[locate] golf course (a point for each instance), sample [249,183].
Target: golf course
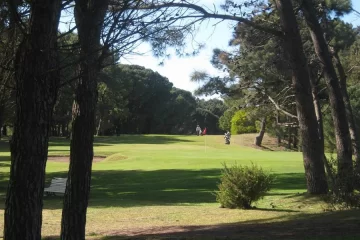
[162,187]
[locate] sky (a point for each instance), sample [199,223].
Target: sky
[178,70]
[213,33]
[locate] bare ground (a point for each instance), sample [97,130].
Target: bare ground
[333,225]
[67,158]
[269,143]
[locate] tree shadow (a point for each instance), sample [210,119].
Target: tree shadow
[5,162]
[123,139]
[289,181]
[128,188]
[146,188]
[160,187]
[262,148]
[141,139]
[64,142]
[326,226]
[338,225]
[275,210]
[4,145]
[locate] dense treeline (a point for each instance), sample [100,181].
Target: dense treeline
[136,100]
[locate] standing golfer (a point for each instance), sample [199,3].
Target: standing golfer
[198,130]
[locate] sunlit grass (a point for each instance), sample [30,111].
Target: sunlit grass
[157,181]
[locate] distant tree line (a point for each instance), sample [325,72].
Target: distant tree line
[136,100]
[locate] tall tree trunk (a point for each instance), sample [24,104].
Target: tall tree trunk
[2,110]
[317,106]
[349,113]
[89,16]
[98,127]
[278,136]
[319,118]
[259,138]
[289,137]
[311,146]
[36,78]
[4,130]
[63,130]
[337,106]
[318,114]
[295,139]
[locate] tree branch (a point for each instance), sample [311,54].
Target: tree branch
[205,110]
[352,68]
[280,109]
[207,14]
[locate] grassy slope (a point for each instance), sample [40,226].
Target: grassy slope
[167,181]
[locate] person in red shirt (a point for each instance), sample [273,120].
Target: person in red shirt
[204,132]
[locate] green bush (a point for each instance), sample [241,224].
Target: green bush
[242,185]
[338,198]
[240,123]
[225,120]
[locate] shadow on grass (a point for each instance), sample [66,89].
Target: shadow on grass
[160,187]
[334,225]
[275,210]
[4,145]
[262,148]
[123,139]
[289,181]
[338,225]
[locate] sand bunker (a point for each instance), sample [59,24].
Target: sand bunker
[67,158]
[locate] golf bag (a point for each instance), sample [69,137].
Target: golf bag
[227,138]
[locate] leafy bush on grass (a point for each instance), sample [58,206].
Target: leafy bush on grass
[336,202]
[240,123]
[242,185]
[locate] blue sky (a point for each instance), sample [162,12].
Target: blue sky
[178,70]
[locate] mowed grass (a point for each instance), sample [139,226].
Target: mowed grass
[162,186]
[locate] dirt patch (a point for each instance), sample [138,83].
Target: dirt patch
[117,158]
[293,229]
[67,158]
[269,143]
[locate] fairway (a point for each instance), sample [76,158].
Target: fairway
[164,184]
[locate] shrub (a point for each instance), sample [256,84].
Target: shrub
[242,185]
[341,201]
[241,124]
[225,120]
[338,198]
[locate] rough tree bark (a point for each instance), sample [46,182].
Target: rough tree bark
[4,130]
[319,118]
[98,127]
[295,139]
[311,146]
[349,113]
[63,130]
[2,110]
[9,45]
[259,138]
[337,106]
[290,131]
[36,79]
[89,16]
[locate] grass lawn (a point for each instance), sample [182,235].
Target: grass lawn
[161,187]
